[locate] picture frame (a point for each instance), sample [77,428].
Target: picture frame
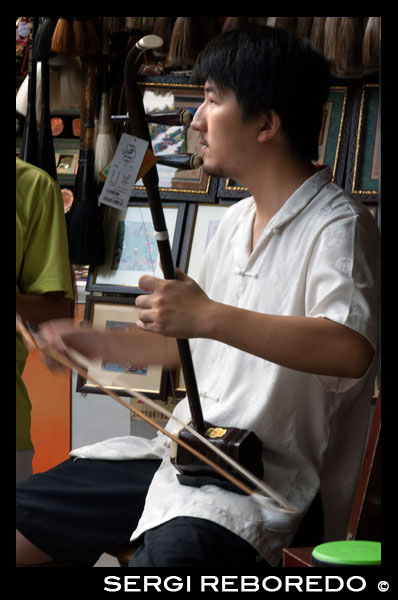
[107,312]
[230,188]
[131,249]
[364,153]
[176,184]
[201,224]
[335,130]
[332,143]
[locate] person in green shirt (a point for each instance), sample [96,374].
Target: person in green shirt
[43,280]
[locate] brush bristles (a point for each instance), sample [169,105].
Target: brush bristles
[304,26]
[140,23]
[317,37]
[185,42]
[43,39]
[85,235]
[62,40]
[349,45]
[330,41]
[287,23]
[93,45]
[79,38]
[371,43]
[163,28]
[235,23]
[114,23]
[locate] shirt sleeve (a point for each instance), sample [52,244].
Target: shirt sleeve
[343,282]
[46,265]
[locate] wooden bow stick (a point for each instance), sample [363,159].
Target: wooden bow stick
[73,360]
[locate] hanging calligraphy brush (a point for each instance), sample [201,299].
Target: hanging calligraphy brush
[244,446]
[85,234]
[29,147]
[42,52]
[105,143]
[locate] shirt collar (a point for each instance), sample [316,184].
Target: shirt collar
[241,239]
[300,198]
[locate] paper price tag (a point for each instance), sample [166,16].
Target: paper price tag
[123,171]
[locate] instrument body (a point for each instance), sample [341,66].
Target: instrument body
[241,445]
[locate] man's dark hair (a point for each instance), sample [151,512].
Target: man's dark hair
[271,69]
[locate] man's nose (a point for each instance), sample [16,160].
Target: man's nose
[198,122]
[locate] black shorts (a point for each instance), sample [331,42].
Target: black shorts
[82,508]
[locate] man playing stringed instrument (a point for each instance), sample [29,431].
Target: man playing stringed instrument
[283,323]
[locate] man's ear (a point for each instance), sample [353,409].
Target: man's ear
[270,126]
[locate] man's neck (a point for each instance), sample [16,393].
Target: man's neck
[273,185]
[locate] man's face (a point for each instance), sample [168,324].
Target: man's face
[226,141]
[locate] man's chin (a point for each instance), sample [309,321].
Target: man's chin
[214,170]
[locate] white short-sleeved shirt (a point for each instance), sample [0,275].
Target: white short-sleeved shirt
[317,257]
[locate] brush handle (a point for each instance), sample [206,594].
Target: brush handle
[89,74]
[46,144]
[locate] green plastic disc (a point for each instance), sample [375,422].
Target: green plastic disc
[348,552]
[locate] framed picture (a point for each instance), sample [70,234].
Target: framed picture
[335,130]
[191,184]
[131,248]
[230,188]
[364,156]
[106,313]
[66,159]
[201,225]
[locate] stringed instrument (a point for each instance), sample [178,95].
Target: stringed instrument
[240,444]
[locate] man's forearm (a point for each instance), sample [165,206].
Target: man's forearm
[37,308]
[313,345]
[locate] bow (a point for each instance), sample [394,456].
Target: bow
[74,361]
